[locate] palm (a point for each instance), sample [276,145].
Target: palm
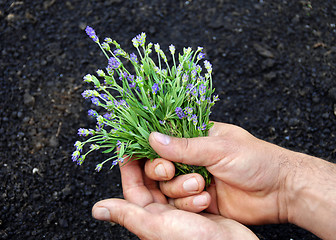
[178,224]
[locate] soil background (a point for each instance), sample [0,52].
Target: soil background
[274,70]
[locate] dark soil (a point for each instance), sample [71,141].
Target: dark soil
[274,70]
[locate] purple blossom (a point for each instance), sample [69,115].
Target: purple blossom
[193,118]
[99,167]
[118,52]
[193,74]
[92,113]
[94,146]
[155,88]
[203,127]
[75,155]
[121,102]
[105,96]
[191,89]
[134,58]
[118,143]
[179,112]
[172,49]
[202,89]
[85,132]
[208,66]
[87,93]
[108,116]
[115,162]
[185,77]
[113,63]
[188,111]
[80,160]
[200,56]
[79,146]
[123,75]
[139,40]
[95,101]
[91,33]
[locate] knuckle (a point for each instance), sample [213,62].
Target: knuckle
[185,146]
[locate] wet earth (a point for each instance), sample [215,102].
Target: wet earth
[274,70]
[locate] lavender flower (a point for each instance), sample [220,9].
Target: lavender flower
[87,94]
[75,155]
[203,127]
[100,73]
[99,167]
[179,112]
[172,49]
[108,116]
[202,89]
[92,113]
[88,78]
[108,40]
[85,132]
[113,63]
[208,66]
[200,56]
[95,101]
[79,146]
[139,40]
[92,34]
[155,88]
[94,146]
[133,58]
[105,46]
[118,52]
[188,111]
[80,160]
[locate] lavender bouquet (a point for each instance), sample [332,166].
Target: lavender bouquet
[152,96]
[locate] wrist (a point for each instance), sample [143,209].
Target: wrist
[311,194]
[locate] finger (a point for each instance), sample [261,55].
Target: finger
[183,186]
[133,184]
[134,218]
[196,203]
[159,169]
[200,151]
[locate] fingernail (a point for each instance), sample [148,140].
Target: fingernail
[160,171]
[101,213]
[200,200]
[191,185]
[161,138]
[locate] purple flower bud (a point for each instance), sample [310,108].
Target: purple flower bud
[92,113]
[155,88]
[118,52]
[200,56]
[95,101]
[113,63]
[179,112]
[75,155]
[202,89]
[99,167]
[91,33]
[133,58]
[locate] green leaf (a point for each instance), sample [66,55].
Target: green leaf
[95,81]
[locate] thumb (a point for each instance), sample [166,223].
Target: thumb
[136,219]
[200,151]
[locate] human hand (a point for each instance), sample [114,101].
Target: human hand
[146,213]
[249,175]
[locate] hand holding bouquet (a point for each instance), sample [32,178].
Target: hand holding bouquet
[174,99]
